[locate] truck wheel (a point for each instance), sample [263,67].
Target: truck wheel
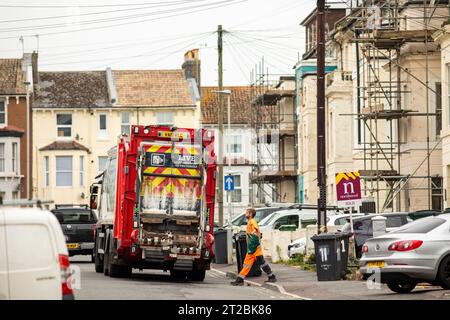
[118,271]
[197,275]
[106,258]
[178,275]
[115,271]
[106,266]
[443,275]
[401,287]
[98,263]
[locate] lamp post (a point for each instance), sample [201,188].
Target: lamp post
[228,94]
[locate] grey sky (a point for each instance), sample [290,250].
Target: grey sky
[257,28]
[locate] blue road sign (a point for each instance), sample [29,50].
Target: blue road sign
[229,183]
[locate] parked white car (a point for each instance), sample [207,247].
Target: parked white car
[239,223]
[299,246]
[34,262]
[298,217]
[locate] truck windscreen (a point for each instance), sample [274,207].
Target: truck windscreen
[172,179]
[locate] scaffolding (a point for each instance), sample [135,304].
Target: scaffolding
[381,30]
[274,126]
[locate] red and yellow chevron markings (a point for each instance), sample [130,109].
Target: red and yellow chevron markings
[185,172]
[346,176]
[173,171]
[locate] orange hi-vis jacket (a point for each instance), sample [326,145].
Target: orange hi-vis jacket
[252,228]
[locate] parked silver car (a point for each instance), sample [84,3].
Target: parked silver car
[416,252]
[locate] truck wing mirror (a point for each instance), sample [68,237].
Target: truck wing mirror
[93,202]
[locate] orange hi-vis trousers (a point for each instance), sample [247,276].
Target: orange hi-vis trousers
[250,259]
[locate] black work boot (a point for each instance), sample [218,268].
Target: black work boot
[238,282]
[272,278]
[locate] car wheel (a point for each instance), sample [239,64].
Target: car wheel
[401,287]
[444,273]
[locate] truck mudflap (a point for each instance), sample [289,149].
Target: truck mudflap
[184,264]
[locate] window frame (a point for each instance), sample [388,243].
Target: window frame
[125,124]
[46,171]
[164,123]
[98,160]
[448,94]
[102,134]
[230,143]
[2,125]
[64,171]
[236,188]
[15,158]
[81,171]
[438,108]
[64,126]
[3,157]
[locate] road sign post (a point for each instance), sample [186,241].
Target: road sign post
[348,194]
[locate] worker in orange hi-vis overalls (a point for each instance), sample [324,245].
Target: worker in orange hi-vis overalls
[254,251]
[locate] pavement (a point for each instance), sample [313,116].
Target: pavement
[300,284]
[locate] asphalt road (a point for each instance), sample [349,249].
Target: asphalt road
[154,284]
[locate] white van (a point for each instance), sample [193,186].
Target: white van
[34,261]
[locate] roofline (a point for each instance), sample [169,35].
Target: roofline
[13,94]
[312,13]
[232,86]
[115,107]
[104,70]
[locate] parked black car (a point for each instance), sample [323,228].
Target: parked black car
[77,223]
[362,227]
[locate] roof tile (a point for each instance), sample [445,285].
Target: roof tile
[153,88]
[12,77]
[71,89]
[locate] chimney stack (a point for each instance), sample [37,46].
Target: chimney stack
[34,65]
[191,66]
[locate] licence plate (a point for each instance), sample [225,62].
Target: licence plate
[375,264]
[72,245]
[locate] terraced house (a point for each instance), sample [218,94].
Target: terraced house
[16,84]
[78,117]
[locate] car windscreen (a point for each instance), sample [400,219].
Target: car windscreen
[74,216]
[262,213]
[268,219]
[424,225]
[356,222]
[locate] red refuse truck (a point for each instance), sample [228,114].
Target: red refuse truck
[155,203]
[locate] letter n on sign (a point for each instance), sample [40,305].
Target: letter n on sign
[348,189]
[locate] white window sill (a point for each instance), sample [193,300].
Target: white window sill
[65,138]
[102,136]
[64,187]
[10,175]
